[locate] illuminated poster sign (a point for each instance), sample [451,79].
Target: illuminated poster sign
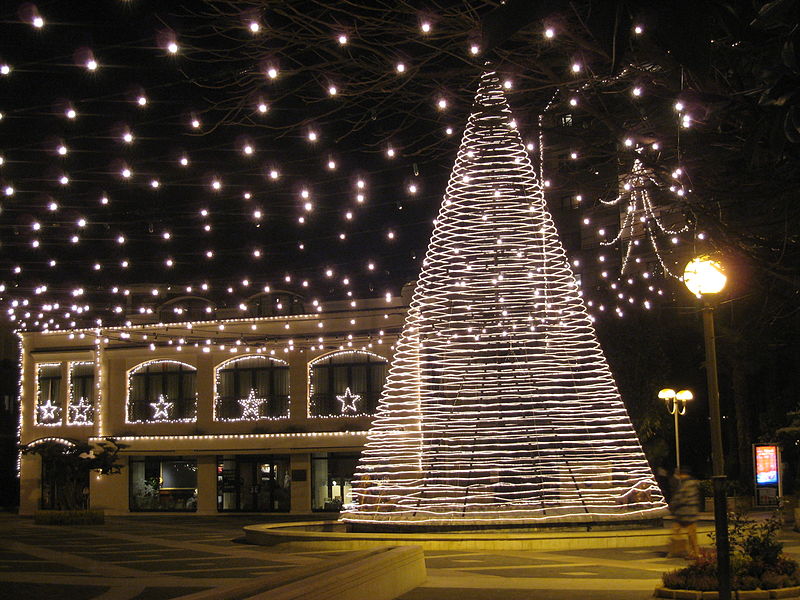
[766,465]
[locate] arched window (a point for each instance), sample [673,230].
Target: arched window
[275,304]
[162,390]
[252,388]
[188,308]
[346,383]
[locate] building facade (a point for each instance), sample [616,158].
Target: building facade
[245,414]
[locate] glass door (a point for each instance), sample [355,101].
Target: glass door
[251,483]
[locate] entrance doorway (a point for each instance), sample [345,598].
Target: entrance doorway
[251,483]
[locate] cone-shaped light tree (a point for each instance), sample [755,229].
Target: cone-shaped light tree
[499,406]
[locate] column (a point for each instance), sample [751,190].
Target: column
[205,390]
[298,386]
[300,467]
[30,484]
[206,484]
[110,492]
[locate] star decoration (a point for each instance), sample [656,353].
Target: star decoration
[251,406]
[79,413]
[348,401]
[161,409]
[48,411]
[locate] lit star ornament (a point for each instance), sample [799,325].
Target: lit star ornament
[348,401]
[251,406]
[79,412]
[161,409]
[48,411]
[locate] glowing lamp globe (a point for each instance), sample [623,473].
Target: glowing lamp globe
[704,275]
[684,395]
[666,394]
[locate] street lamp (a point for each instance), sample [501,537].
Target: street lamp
[705,277]
[676,405]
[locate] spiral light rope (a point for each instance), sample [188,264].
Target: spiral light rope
[499,406]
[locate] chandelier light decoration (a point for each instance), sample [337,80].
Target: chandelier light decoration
[642,218]
[499,408]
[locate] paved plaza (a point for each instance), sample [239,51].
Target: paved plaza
[155,558]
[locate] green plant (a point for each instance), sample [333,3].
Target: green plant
[756,562]
[745,582]
[756,540]
[70,465]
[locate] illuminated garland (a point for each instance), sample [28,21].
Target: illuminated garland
[20,396]
[499,407]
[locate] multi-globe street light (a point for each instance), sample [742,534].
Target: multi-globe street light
[676,405]
[705,277]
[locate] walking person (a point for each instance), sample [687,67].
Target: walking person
[684,505]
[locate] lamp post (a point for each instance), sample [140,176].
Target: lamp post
[676,405]
[705,277]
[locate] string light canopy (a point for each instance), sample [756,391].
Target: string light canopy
[499,407]
[158,158]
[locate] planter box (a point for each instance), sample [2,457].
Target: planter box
[94,516]
[792,592]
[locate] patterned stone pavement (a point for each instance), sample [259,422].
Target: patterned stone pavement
[141,558]
[158,558]
[613,574]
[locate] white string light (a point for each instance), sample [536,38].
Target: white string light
[499,406]
[641,216]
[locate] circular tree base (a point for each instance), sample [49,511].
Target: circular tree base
[334,535]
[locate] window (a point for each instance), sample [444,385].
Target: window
[569,202]
[346,383]
[332,480]
[253,483]
[81,394]
[566,120]
[252,388]
[48,397]
[162,391]
[276,304]
[163,483]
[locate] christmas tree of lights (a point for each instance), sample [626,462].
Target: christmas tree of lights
[499,407]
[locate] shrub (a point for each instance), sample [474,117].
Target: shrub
[746,582]
[771,580]
[785,566]
[756,540]
[702,582]
[757,560]
[69,517]
[674,579]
